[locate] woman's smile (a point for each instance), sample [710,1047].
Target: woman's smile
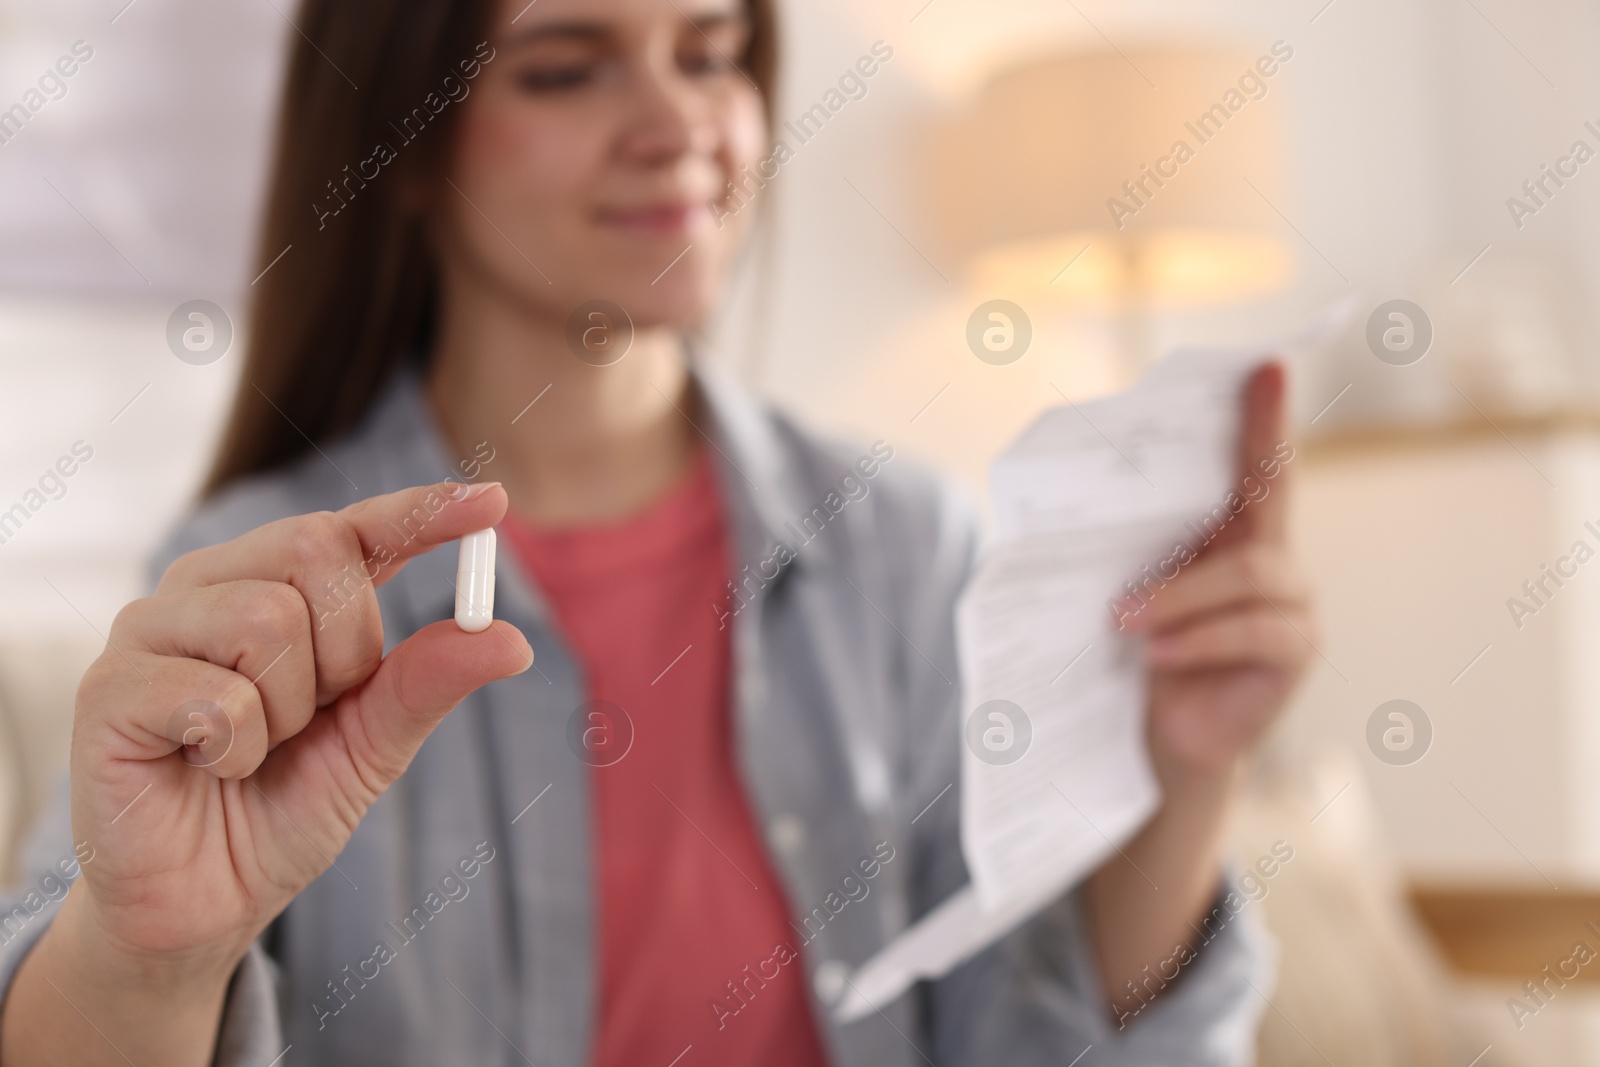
[661,218]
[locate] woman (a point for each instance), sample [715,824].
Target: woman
[670,841]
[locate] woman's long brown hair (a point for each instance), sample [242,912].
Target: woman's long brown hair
[346,299]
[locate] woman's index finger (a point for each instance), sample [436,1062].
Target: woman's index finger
[396,527]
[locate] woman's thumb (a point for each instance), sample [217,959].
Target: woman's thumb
[419,683]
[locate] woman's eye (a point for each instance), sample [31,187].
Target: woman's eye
[544,79]
[709,62]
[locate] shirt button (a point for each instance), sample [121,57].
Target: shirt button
[830,979]
[788,834]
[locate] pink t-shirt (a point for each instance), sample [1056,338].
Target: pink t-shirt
[697,957]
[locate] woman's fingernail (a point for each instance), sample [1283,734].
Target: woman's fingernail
[477,489]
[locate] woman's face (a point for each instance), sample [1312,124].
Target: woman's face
[595,149]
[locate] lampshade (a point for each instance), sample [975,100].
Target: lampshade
[1155,173]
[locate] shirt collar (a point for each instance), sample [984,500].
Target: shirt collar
[762,486]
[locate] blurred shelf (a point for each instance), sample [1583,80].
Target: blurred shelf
[1445,434]
[1509,931]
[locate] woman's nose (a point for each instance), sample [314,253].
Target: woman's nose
[668,118]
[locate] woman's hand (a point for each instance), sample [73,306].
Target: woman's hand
[1230,636]
[226,744]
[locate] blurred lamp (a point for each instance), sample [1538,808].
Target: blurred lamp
[1133,182]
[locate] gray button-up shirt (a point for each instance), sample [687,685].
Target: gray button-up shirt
[846,709]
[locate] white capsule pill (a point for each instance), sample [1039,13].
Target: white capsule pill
[475,582]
